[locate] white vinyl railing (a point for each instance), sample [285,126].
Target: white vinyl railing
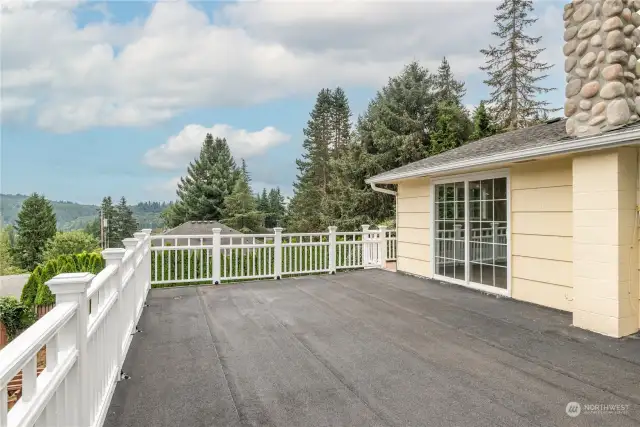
[392,245]
[86,337]
[216,258]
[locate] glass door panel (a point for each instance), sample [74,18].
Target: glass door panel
[449,230]
[488,232]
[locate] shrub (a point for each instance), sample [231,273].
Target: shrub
[30,289]
[70,243]
[15,316]
[36,292]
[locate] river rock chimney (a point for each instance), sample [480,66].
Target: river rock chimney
[602,50]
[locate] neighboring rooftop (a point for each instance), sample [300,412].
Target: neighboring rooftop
[190,228]
[521,144]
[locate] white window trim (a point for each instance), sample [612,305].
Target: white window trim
[497,173]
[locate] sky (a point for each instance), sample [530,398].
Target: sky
[114,98]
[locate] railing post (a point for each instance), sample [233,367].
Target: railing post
[215,255]
[382,246]
[332,249]
[130,244]
[277,253]
[366,249]
[114,256]
[147,258]
[72,287]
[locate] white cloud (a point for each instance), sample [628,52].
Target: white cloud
[146,71]
[183,147]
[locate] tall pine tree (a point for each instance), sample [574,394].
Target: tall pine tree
[36,224]
[276,208]
[240,210]
[448,89]
[125,223]
[513,67]
[210,179]
[110,230]
[312,181]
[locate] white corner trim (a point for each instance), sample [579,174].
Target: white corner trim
[598,142]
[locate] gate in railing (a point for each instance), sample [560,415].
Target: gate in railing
[86,337]
[216,258]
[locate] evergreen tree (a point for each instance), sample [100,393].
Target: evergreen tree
[452,128]
[240,210]
[245,171]
[340,116]
[35,225]
[210,178]
[513,67]
[448,89]
[263,202]
[482,123]
[276,208]
[312,181]
[125,223]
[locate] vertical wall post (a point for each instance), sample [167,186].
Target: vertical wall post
[113,256]
[277,254]
[72,287]
[332,249]
[215,255]
[366,245]
[382,246]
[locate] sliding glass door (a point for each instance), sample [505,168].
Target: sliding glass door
[471,232]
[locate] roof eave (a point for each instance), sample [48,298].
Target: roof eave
[597,142]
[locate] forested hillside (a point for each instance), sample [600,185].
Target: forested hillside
[75,216]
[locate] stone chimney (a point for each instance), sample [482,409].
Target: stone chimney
[602,50]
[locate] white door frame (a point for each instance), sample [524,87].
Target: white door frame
[498,173]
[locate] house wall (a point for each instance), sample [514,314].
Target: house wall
[541,232]
[413,225]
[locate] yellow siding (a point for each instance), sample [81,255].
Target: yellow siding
[604,220]
[414,219]
[541,232]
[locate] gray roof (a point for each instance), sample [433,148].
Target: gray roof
[199,227]
[551,133]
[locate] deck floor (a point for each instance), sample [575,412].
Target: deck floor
[366,348]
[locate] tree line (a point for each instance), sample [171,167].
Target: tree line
[34,239]
[417,114]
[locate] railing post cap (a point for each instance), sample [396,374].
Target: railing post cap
[140,235]
[110,254]
[216,230]
[147,230]
[70,283]
[333,228]
[130,242]
[365,226]
[382,227]
[278,229]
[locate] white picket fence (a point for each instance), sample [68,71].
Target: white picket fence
[86,335]
[216,258]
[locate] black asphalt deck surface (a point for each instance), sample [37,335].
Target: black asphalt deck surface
[366,348]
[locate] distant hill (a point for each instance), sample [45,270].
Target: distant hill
[74,216]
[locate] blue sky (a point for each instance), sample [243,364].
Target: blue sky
[112,98]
